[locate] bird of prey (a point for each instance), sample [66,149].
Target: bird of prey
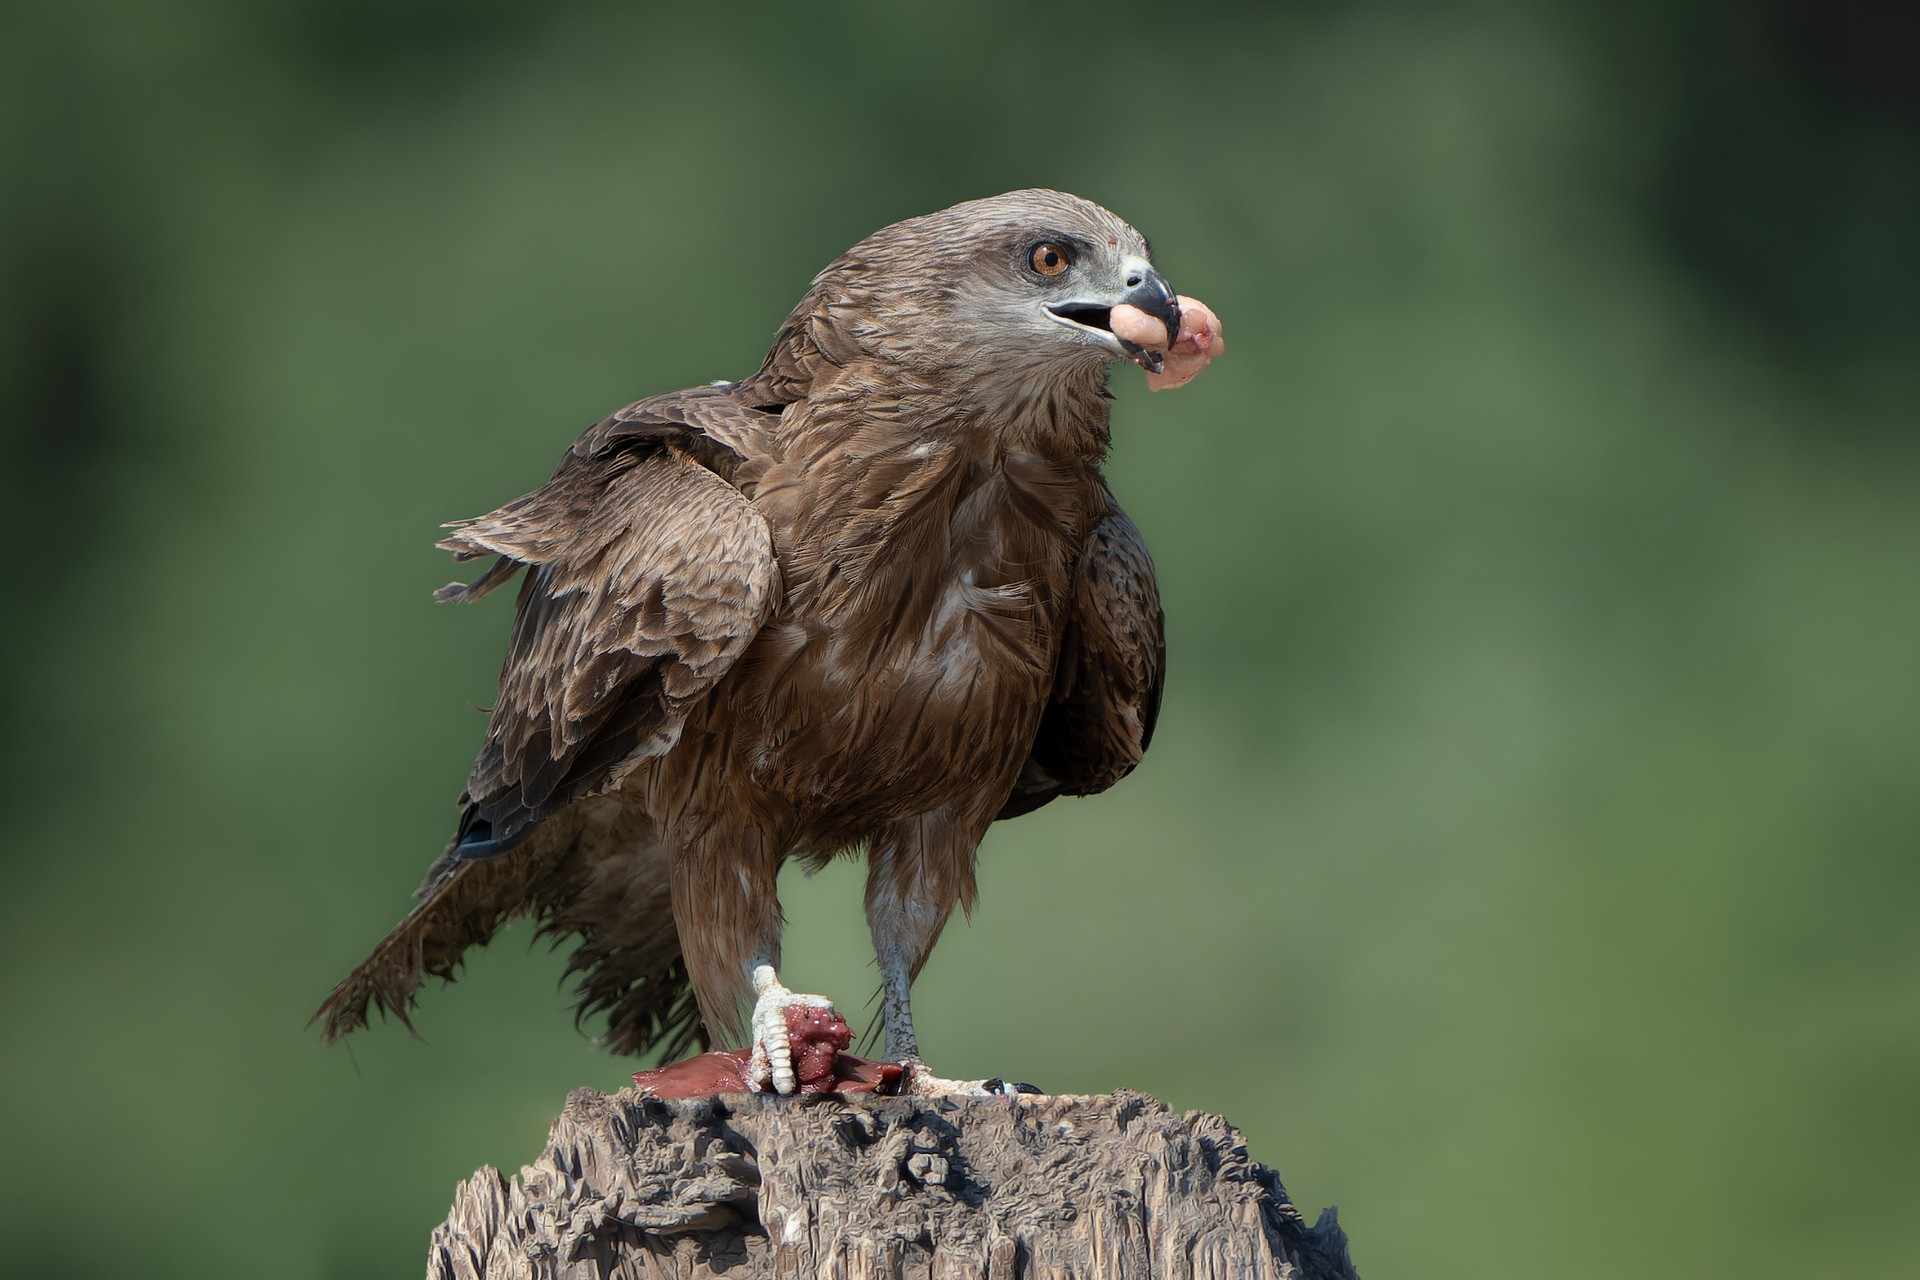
[876,596]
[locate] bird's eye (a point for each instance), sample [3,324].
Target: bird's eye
[1048,258]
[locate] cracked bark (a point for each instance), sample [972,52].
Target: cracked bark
[863,1188]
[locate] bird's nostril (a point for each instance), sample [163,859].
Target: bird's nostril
[1133,282]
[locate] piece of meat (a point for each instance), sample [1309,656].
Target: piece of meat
[1199,342]
[820,1063]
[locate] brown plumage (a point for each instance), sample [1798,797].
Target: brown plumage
[877,595]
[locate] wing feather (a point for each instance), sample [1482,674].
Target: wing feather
[649,574]
[1112,667]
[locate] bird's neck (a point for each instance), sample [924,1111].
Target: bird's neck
[1066,417]
[1043,409]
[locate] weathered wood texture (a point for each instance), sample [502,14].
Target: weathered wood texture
[1046,1188]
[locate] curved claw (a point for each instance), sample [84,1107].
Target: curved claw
[1010,1088]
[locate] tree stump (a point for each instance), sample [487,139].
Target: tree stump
[631,1187]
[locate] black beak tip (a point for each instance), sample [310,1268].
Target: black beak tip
[1156,297]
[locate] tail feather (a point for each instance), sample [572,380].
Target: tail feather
[462,904]
[590,872]
[621,907]
[387,981]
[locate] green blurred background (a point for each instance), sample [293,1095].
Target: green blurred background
[1527,860]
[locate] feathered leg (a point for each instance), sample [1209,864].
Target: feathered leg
[726,909]
[906,910]
[917,873]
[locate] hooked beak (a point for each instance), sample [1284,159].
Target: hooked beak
[1147,290]
[1156,297]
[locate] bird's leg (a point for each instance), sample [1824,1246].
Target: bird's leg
[772,1065]
[915,877]
[905,912]
[896,977]
[896,983]
[726,910]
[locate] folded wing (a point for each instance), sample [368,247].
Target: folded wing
[1112,666]
[648,574]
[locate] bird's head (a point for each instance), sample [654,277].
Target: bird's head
[1022,283]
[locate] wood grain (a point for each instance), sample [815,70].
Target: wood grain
[870,1188]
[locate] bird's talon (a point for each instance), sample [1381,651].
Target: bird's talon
[924,1083]
[771,1067]
[1000,1088]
